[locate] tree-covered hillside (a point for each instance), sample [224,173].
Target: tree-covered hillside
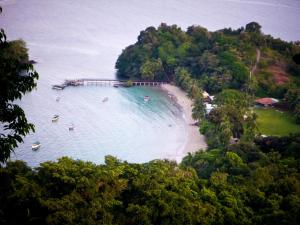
[235,64]
[218,60]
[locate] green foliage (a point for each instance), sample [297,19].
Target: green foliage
[247,183]
[292,99]
[151,70]
[253,27]
[17,76]
[234,98]
[216,60]
[128,83]
[274,122]
[244,184]
[238,70]
[76,192]
[232,118]
[198,111]
[198,50]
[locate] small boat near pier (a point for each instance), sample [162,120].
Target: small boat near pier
[146,98]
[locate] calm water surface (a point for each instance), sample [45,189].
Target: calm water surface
[75,39]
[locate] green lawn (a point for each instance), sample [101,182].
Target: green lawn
[273,122]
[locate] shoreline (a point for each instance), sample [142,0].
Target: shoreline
[194,140]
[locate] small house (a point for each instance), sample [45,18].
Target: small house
[206,97]
[266,101]
[205,94]
[209,107]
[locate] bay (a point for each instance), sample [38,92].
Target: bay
[82,39]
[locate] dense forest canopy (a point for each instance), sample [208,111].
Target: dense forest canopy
[247,183]
[219,60]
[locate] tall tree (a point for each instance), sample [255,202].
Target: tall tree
[17,76]
[151,69]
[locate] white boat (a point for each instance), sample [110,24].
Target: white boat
[55,118]
[105,99]
[71,127]
[57,99]
[146,98]
[36,145]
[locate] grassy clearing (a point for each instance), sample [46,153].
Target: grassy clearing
[274,122]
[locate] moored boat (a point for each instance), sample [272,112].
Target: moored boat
[55,118]
[36,145]
[105,99]
[116,85]
[57,99]
[71,126]
[58,87]
[146,98]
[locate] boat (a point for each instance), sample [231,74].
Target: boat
[116,85]
[36,145]
[146,98]
[57,99]
[58,87]
[105,99]
[55,118]
[71,127]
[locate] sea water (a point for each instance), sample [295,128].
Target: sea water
[82,39]
[124,125]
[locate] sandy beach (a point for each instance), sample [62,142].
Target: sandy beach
[195,141]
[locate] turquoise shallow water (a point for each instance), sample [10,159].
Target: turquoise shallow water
[82,39]
[124,126]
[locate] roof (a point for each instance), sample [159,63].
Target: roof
[209,107]
[266,101]
[205,94]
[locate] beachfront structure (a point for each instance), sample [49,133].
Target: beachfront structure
[266,101]
[208,100]
[208,107]
[207,97]
[205,94]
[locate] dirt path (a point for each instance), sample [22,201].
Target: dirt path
[257,61]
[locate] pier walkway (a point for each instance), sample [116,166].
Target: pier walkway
[106,82]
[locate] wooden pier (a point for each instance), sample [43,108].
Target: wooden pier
[107,82]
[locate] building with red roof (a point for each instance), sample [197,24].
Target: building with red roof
[266,101]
